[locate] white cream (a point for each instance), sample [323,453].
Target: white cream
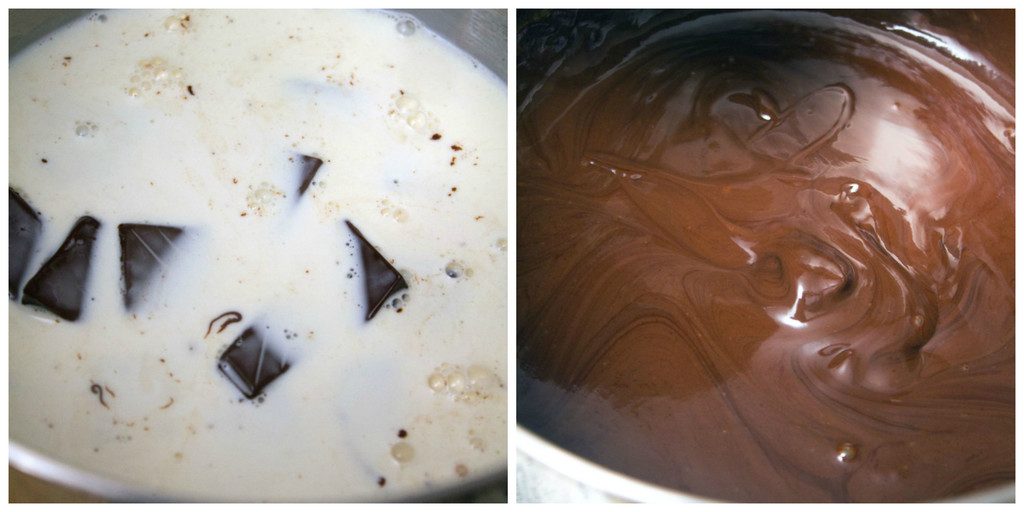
[126,142]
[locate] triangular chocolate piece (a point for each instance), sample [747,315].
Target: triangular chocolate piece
[250,363]
[24,227]
[380,277]
[308,167]
[144,248]
[59,286]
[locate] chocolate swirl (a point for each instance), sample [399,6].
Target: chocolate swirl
[767,256]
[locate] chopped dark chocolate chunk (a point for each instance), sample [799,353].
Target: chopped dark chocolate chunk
[143,250]
[59,286]
[380,277]
[250,363]
[310,165]
[24,227]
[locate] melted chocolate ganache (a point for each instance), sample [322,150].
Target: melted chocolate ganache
[767,256]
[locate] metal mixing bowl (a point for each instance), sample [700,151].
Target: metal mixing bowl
[481,33]
[546,472]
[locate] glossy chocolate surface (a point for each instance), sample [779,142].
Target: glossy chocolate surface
[768,256]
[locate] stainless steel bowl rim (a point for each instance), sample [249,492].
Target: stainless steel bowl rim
[482,33]
[619,486]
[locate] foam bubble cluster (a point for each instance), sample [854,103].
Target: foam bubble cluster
[155,76]
[264,199]
[470,385]
[408,112]
[394,211]
[86,129]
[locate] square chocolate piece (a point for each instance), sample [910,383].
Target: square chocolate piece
[144,249]
[250,363]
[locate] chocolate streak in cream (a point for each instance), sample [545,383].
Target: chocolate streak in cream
[767,256]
